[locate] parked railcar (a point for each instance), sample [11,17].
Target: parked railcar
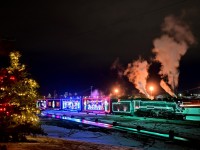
[71,103]
[68,103]
[97,104]
[191,108]
[123,106]
[41,104]
[54,104]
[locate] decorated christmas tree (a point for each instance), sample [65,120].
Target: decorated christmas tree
[18,95]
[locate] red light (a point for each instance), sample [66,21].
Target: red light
[12,78]
[2,109]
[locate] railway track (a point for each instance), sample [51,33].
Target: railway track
[168,137]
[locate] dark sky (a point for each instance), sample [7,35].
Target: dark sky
[71,45]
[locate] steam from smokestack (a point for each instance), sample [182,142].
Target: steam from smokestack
[137,73]
[166,88]
[169,49]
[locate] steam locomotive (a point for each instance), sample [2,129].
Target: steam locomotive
[149,108]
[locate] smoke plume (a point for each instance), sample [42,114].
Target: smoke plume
[166,88]
[137,73]
[169,49]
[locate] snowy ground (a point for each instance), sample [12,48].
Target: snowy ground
[114,139]
[48,143]
[186,129]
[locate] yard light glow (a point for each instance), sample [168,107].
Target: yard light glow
[151,88]
[116,91]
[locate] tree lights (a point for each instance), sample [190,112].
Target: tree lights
[19,92]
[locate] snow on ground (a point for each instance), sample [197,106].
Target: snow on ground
[118,139]
[115,139]
[48,143]
[95,137]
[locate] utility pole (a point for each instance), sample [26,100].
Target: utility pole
[91,91]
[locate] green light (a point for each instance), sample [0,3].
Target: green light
[128,104]
[149,133]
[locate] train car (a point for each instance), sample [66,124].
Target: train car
[54,103]
[72,104]
[97,104]
[191,108]
[126,107]
[41,104]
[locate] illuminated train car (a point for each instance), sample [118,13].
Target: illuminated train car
[54,104]
[41,104]
[126,107]
[96,104]
[191,108]
[71,104]
[190,103]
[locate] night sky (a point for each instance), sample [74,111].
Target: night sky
[69,46]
